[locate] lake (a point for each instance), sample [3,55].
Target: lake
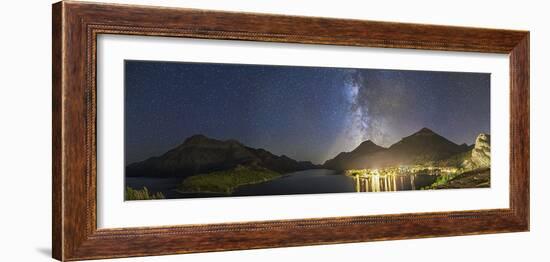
[312,181]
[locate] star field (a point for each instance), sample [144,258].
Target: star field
[306,113]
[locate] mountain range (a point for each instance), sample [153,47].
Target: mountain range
[423,146]
[199,154]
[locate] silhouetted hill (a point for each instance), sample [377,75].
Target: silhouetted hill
[423,146]
[355,158]
[200,154]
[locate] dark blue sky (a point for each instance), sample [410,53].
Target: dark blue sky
[306,113]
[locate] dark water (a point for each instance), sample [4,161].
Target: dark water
[303,182]
[313,181]
[329,181]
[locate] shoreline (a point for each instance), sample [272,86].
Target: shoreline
[252,183]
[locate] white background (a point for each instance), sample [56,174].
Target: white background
[25,147]
[114,212]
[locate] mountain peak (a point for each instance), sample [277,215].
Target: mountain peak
[425,130]
[367,147]
[346,159]
[195,139]
[367,143]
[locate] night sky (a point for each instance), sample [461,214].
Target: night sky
[306,113]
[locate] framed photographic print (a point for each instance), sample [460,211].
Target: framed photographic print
[182,130]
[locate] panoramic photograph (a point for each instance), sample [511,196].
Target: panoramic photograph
[200,130]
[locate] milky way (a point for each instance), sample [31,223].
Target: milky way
[307,113]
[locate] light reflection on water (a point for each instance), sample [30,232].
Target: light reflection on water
[379,183]
[313,181]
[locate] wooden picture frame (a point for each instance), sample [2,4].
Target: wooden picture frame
[76,26]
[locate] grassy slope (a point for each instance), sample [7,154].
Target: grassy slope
[456,160]
[471,175]
[228,180]
[478,178]
[143,194]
